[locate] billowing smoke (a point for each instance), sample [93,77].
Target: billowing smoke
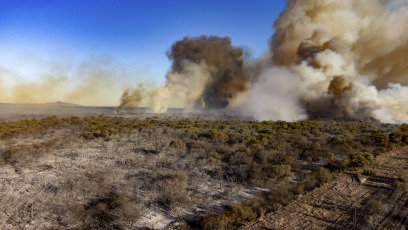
[348,57]
[326,58]
[207,72]
[132,97]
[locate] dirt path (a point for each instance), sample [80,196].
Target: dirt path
[344,203]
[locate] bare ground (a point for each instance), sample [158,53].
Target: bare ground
[348,203]
[69,182]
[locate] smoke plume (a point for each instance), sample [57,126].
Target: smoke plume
[348,57]
[132,97]
[326,58]
[207,71]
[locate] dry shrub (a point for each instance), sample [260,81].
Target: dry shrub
[109,212]
[21,156]
[177,144]
[402,182]
[279,196]
[234,214]
[197,144]
[173,190]
[213,158]
[323,175]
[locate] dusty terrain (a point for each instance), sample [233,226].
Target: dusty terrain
[348,203]
[109,169]
[63,178]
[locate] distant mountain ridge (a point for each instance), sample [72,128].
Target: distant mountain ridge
[61,103]
[48,104]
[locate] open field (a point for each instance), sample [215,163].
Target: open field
[127,170]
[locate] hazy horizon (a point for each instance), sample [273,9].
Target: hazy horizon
[56,50]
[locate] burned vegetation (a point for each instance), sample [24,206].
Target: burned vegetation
[126,173]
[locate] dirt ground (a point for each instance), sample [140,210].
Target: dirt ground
[348,203]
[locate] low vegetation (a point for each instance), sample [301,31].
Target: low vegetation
[125,172]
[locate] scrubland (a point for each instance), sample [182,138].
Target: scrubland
[149,171]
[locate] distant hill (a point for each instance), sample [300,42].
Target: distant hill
[62,104]
[49,104]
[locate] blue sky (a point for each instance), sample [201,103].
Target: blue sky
[134,33]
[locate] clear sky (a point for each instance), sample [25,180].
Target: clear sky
[134,33]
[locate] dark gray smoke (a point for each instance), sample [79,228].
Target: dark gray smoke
[223,62]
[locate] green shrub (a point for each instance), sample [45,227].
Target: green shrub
[368,172]
[216,134]
[380,139]
[363,160]
[233,214]
[281,172]
[330,157]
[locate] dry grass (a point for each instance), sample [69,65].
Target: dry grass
[117,173]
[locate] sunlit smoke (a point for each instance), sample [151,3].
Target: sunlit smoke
[346,54]
[132,97]
[326,58]
[92,82]
[207,73]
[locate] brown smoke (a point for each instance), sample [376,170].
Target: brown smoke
[348,58]
[132,97]
[326,58]
[227,77]
[92,82]
[207,72]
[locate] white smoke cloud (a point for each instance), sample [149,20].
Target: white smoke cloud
[282,103]
[182,89]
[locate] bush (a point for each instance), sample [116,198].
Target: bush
[281,172]
[217,135]
[379,138]
[323,175]
[368,172]
[234,213]
[403,176]
[102,212]
[177,144]
[402,182]
[173,190]
[363,160]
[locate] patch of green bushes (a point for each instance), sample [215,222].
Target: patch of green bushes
[233,214]
[363,160]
